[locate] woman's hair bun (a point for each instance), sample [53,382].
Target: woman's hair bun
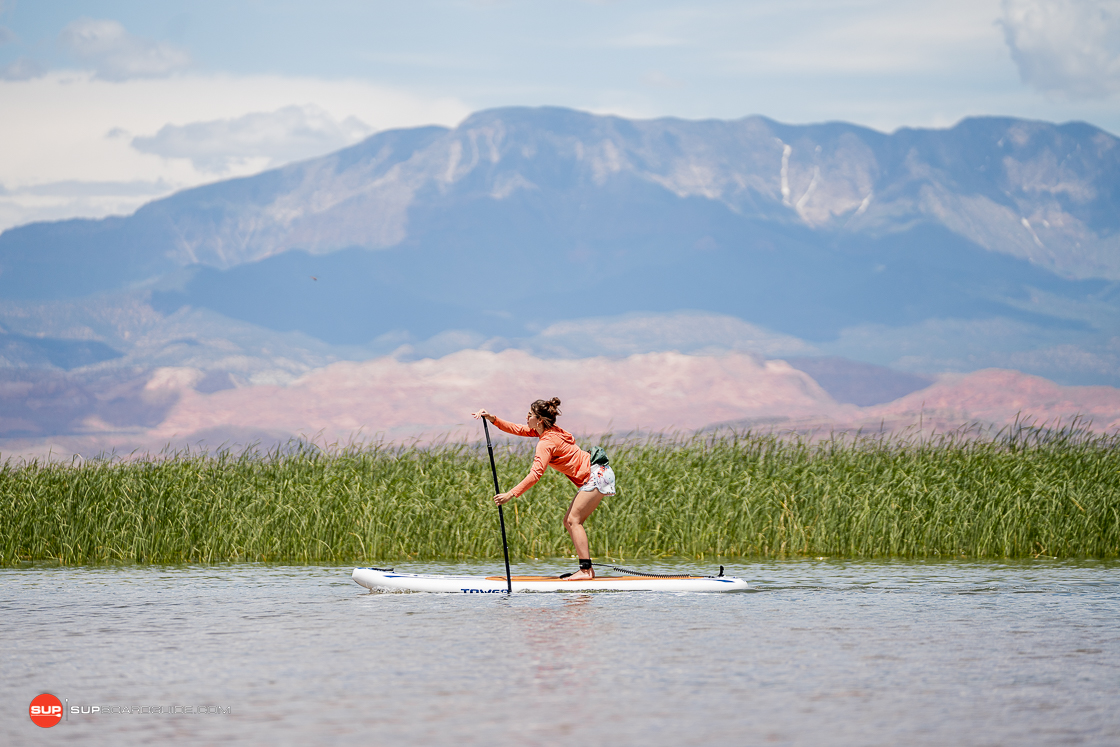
[547,411]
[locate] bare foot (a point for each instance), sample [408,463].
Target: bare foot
[582,575]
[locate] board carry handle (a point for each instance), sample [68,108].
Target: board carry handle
[501,515]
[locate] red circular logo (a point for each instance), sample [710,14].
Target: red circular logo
[45,710]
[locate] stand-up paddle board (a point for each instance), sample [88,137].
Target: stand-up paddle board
[382,579]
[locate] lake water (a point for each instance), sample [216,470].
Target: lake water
[819,653]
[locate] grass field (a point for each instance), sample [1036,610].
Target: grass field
[1023,492]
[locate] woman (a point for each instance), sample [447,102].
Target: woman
[557,448]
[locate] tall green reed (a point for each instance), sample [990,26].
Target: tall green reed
[1022,492]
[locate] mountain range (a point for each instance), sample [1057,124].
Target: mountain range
[872,262]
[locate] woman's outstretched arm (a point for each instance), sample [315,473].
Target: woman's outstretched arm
[511,428]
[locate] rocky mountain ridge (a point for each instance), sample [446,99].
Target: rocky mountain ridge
[1047,193]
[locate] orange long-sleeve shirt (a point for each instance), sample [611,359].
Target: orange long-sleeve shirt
[556,448]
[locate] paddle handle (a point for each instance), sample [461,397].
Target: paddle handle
[501,515]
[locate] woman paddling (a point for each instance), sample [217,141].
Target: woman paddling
[591,474]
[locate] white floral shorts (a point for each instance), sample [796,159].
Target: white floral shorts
[602,479]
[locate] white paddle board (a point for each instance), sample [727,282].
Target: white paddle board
[380,579]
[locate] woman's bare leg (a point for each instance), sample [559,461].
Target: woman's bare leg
[581,507]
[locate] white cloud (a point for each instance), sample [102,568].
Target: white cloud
[7,36]
[95,189]
[288,134]
[116,54]
[1067,47]
[45,142]
[23,68]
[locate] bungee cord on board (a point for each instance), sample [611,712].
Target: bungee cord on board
[650,574]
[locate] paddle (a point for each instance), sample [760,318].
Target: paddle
[501,516]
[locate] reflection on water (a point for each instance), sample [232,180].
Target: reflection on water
[556,642]
[823,652]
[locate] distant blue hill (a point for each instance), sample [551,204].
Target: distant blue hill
[478,283]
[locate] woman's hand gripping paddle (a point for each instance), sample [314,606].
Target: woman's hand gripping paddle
[501,516]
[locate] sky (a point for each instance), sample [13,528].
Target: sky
[108,104]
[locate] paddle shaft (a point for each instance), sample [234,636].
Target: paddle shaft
[501,516]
